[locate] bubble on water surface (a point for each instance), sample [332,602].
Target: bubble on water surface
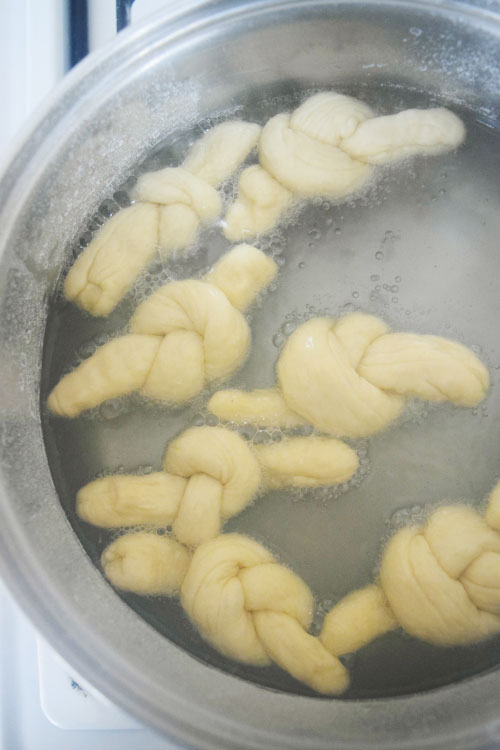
[288,327]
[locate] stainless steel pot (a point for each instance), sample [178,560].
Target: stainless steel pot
[203,57]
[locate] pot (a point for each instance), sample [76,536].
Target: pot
[147,89]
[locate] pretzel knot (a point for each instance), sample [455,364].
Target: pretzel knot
[442,581]
[170,205]
[187,334]
[256,611]
[350,376]
[220,482]
[328,147]
[211,474]
[191,323]
[178,343]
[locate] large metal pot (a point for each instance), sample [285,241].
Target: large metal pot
[201,58]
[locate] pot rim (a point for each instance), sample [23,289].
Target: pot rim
[39,598]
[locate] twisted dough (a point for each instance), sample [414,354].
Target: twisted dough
[326,148]
[440,582]
[349,377]
[170,204]
[187,334]
[211,474]
[241,600]
[244,603]
[146,564]
[254,610]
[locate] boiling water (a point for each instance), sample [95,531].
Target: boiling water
[419,248]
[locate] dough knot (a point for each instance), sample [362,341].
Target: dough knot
[439,581]
[186,334]
[442,581]
[350,377]
[211,474]
[201,337]
[327,148]
[170,204]
[255,610]
[303,151]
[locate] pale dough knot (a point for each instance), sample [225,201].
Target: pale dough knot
[349,377]
[440,582]
[201,337]
[186,335]
[302,152]
[170,206]
[242,601]
[326,148]
[211,474]
[256,611]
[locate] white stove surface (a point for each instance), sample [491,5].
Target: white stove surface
[44,703]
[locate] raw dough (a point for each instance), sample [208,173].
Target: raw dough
[349,377]
[254,610]
[211,474]
[327,148]
[241,600]
[242,274]
[307,165]
[264,407]
[440,582]
[224,476]
[170,205]
[146,563]
[184,336]
[414,131]
[108,266]
[306,462]
[260,203]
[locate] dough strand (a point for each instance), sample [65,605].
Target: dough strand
[184,336]
[264,407]
[327,148]
[170,205]
[350,377]
[146,564]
